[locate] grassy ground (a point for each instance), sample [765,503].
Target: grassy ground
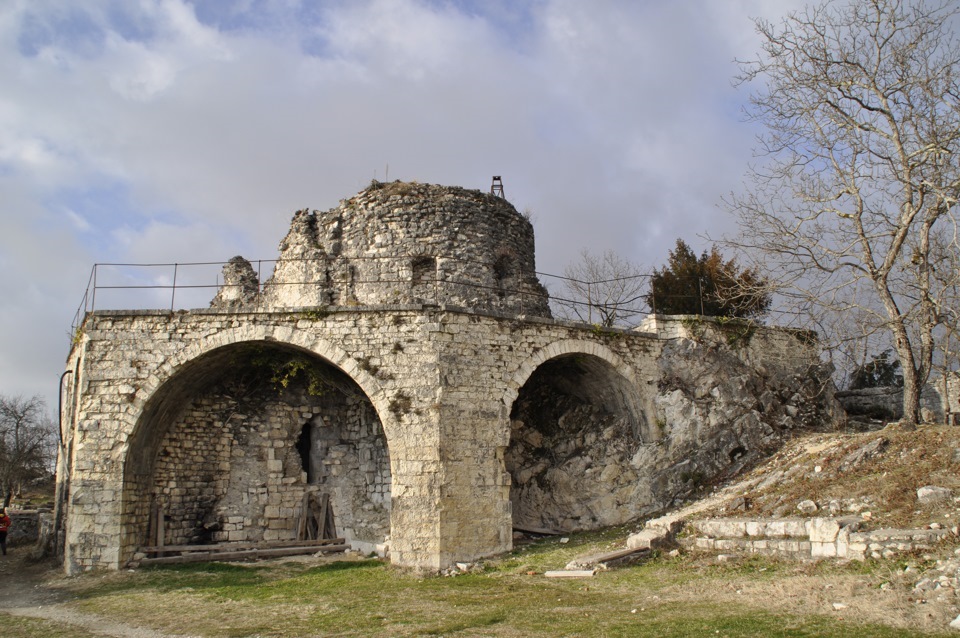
[818,467]
[684,595]
[664,597]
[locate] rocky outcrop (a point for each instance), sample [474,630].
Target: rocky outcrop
[720,405]
[721,412]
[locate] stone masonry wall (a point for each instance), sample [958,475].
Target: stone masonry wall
[443,383]
[234,473]
[410,243]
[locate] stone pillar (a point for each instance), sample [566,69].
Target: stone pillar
[475,496]
[414,516]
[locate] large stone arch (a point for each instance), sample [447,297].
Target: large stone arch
[576,421]
[156,404]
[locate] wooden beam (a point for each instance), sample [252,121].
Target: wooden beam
[542,531]
[252,554]
[235,546]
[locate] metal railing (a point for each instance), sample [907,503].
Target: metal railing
[191,285]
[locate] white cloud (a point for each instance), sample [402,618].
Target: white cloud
[175,132]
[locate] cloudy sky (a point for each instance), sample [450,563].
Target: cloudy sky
[182,131]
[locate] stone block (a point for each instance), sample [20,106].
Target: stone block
[823,530]
[823,549]
[932,494]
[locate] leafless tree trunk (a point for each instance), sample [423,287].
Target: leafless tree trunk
[26,443]
[861,104]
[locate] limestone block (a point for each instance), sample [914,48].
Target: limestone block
[930,494]
[823,530]
[647,538]
[823,549]
[796,527]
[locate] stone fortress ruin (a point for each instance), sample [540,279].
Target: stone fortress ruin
[402,360]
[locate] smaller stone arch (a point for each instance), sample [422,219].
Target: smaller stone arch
[576,423]
[560,348]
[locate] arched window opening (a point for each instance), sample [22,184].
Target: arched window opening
[503,274]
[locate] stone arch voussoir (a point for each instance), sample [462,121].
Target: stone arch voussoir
[559,348]
[272,334]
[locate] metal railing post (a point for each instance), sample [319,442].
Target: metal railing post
[173,290]
[93,296]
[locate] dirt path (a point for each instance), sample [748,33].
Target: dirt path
[28,588]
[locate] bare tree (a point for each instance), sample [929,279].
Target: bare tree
[607,290]
[946,274]
[861,104]
[26,443]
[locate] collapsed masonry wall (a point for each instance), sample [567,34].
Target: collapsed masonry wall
[810,538]
[399,243]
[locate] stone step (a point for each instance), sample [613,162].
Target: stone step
[809,538]
[609,559]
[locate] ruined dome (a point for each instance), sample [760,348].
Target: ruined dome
[410,243]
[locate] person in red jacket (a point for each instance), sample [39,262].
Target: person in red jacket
[4,526]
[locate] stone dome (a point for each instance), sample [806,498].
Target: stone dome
[410,243]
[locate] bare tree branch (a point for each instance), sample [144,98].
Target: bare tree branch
[26,443]
[849,211]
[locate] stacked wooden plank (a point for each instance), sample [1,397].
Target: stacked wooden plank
[167,554]
[316,532]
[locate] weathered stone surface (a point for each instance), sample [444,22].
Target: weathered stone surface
[929,494]
[458,420]
[809,538]
[240,287]
[401,243]
[955,623]
[887,402]
[867,452]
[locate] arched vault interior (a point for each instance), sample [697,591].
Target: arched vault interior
[575,427]
[226,449]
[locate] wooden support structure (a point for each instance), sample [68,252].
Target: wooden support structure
[213,547]
[540,531]
[156,533]
[316,532]
[239,551]
[316,517]
[248,554]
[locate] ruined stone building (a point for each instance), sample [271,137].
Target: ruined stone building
[403,360]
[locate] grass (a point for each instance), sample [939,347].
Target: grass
[22,627]
[886,484]
[665,597]
[686,595]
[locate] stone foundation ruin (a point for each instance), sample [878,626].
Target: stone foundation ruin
[402,360]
